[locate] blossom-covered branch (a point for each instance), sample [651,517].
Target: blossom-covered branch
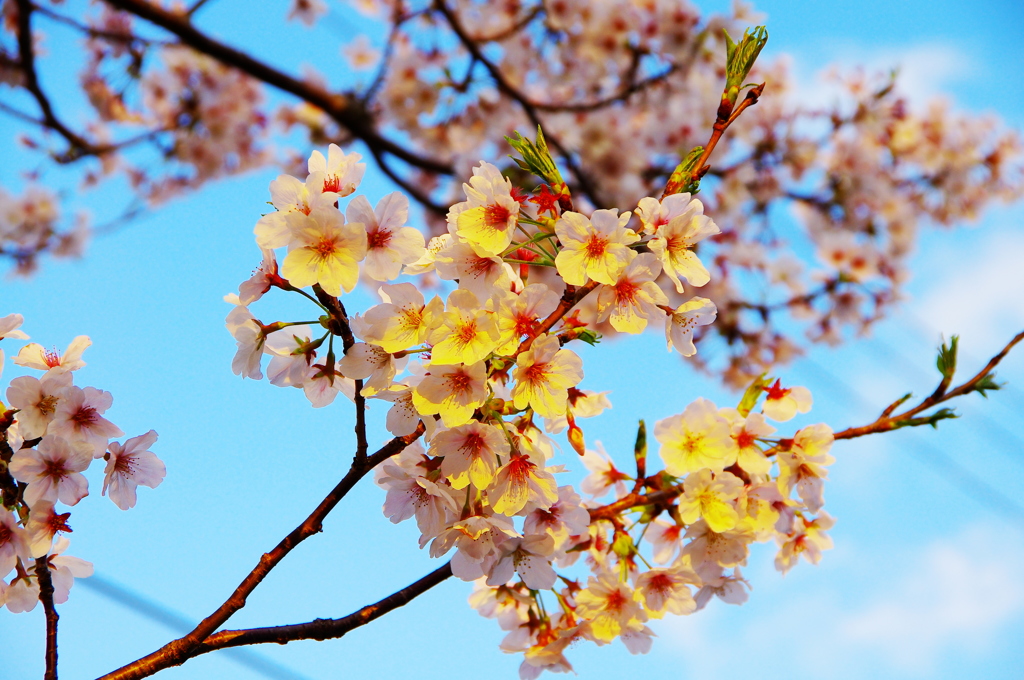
[863,176]
[339,107]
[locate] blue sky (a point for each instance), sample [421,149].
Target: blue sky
[923,582]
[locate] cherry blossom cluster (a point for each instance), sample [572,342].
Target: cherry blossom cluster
[51,431]
[496,383]
[30,224]
[842,191]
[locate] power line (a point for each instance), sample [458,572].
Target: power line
[179,623]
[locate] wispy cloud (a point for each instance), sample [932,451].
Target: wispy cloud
[925,70]
[958,593]
[957,596]
[977,287]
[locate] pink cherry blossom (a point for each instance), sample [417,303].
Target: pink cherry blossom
[53,470]
[129,465]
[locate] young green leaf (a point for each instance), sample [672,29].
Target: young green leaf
[753,393]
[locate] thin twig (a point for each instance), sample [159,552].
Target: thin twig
[421,196]
[195,8]
[891,422]
[94,32]
[28,67]
[385,59]
[882,424]
[586,186]
[622,95]
[21,115]
[570,298]
[726,116]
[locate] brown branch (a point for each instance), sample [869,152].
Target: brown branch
[888,422]
[178,651]
[726,116]
[339,107]
[361,444]
[586,186]
[634,500]
[79,146]
[46,597]
[325,629]
[94,32]
[570,298]
[28,66]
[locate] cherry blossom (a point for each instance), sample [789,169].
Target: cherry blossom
[341,172]
[686,318]
[451,391]
[389,243]
[471,453]
[634,298]
[13,543]
[37,400]
[129,465]
[250,339]
[697,438]
[544,375]
[489,216]
[520,482]
[402,321]
[676,227]
[808,539]
[53,471]
[34,356]
[595,248]
[467,332]
[529,557]
[782,403]
[324,249]
[9,327]
[79,418]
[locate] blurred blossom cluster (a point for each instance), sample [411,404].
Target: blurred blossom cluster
[30,224]
[820,205]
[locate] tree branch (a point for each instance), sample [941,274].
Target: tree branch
[325,629]
[46,597]
[888,422]
[570,298]
[339,107]
[178,651]
[586,186]
[28,66]
[422,197]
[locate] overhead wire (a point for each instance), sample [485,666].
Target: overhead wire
[179,623]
